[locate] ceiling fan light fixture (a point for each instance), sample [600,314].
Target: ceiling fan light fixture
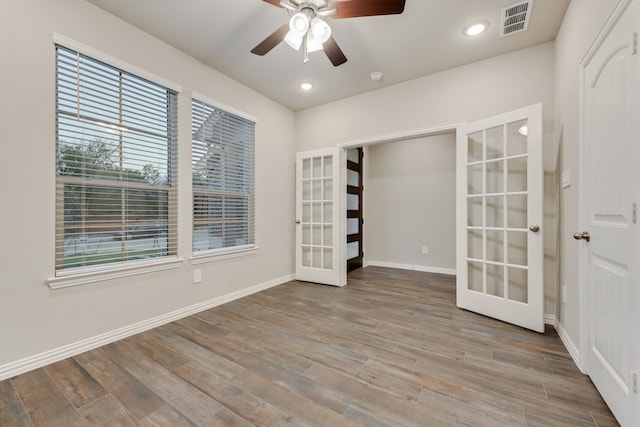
[320,29]
[313,44]
[294,40]
[299,23]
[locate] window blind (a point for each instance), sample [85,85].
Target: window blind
[223,179]
[116,165]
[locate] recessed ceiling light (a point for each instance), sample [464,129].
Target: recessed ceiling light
[306,86]
[376,76]
[476,28]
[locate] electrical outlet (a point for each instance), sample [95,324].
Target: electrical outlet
[425,250]
[564,294]
[197,276]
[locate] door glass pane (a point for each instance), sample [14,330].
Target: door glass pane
[517,211]
[317,189]
[518,286]
[306,190]
[316,261]
[327,239]
[353,202]
[474,147]
[306,212]
[495,211]
[353,249]
[328,189]
[474,244]
[495,280]
[316,212]
[328,213]
[352,155]
[474,211]
[517,143]
[517,174]
[474,275]
[306,234]
[518,247]
[352,226]
[317,167]
[353,178]
[474,179]
[327,259]
[495,177]
[495,143]
[316,235]
[495,246]
[306,168]
[306,256]
[328,166]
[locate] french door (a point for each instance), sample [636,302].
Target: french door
[499,204]
[610,235]
[318,242]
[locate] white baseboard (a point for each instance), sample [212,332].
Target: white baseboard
[569,345]
[424,268]
[39,360]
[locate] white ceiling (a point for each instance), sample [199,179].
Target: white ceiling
[425,39]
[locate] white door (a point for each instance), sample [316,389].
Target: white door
[609,246]
[318,240]
[499,224]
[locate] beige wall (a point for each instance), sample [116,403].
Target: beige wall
[583,20]
[410,202]
[36,319]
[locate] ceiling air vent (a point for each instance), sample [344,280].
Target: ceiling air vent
[515,18]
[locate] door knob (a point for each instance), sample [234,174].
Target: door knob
[582,235]
[297,221]
[535,228]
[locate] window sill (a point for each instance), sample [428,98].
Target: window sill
[222,255]
[92,275]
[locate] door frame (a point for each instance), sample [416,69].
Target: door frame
[393,137]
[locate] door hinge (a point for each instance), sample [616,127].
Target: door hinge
[634,213]
[634,381]
[635,44]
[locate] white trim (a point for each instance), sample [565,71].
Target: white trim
[423,268]
[219,255]
[401,136]
[570,346]
[221,106]
[84,276]
[550,319]
[39,360]
[113,61]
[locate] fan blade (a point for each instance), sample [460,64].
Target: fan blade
[273,2]
[333,52]
[357,8]
[271,41]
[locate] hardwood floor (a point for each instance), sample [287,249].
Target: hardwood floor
[389,349]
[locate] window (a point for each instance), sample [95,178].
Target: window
[223,180]
[116,165]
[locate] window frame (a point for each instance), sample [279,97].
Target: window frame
[224,252]
[64,277]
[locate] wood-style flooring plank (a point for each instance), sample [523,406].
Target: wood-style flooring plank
[389,349]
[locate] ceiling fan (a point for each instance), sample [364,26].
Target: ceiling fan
[307,28]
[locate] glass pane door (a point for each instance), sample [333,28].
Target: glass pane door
[500,202]
[316,217]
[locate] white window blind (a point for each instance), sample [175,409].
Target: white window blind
[223,179]
[116,165]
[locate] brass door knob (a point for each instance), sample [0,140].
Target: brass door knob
[535,228]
